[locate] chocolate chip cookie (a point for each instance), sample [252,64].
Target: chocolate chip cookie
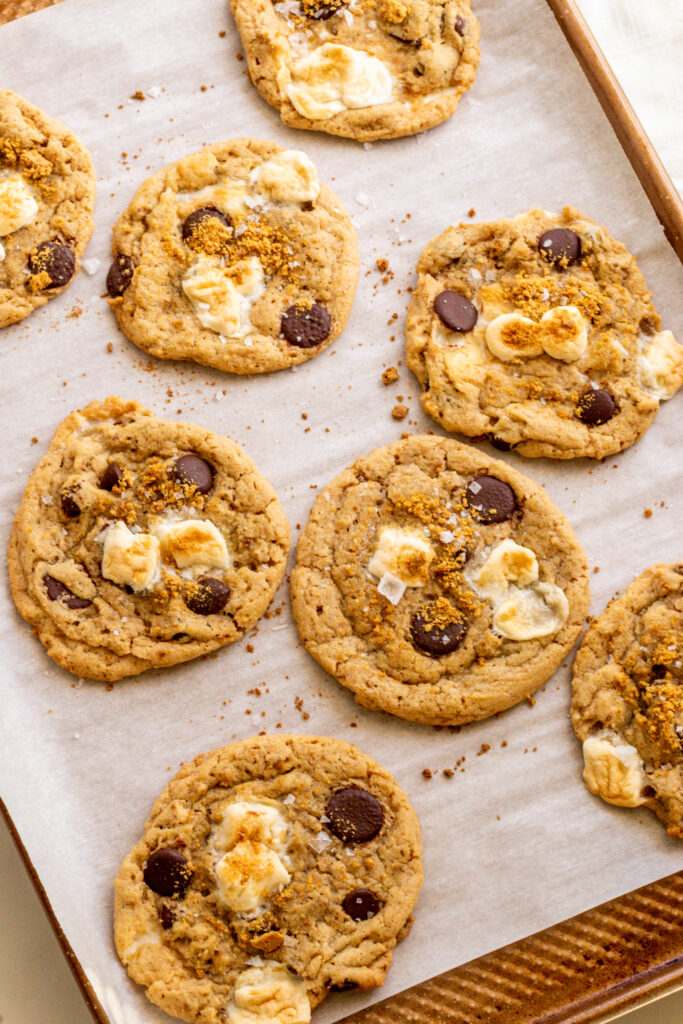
[235,257]
[141,543]
[368,70]
[539,333]
[269,873]
[47,195]
[438,584]
[627,703]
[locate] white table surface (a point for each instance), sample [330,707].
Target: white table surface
[643,40]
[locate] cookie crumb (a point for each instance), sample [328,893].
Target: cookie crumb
[382,265]
[471,212]
[390,375]
[427,773]
[399,412]
[483,748]
[138,95]
[647,513]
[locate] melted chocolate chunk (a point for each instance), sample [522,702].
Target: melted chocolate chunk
[166,916]
[167,872]
[113,475]
[491,500]
[500,444]
[70,507]
[596,406]
[207,596]
[361,904]
[436,640]
[193,223]
[460,25]
[560,246]
[356,816]
[455,311]
[56,591]
[119,276]
[55,260]
[306,328]
[193,470]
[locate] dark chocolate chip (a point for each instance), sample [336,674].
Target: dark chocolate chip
[659,671]
[596,406]
[560,246]
[207,596]
[320,10]
[193,470]
[500,444]
[167,872]
[455,311]
[166,916]
[436,640]
[306,328]
[56,591]
[199,217]
[70,506]
[361,904]
[119,276]
[113,475]
[356,816]
[460,25]
[343,986]
[55,260]
[491,500]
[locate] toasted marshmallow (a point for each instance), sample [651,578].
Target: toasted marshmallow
[222,297]
[288,177]
[334,78]
[511,337]
[508,563]
[661,366]
[403,554]
[535,611]
[130,559]
[252,840]
[230,197]
[561,333]
[17,204]
[564,334]
[613,769]
[270,994]
[152,936]
[192,542]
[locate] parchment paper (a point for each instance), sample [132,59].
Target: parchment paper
[513,844]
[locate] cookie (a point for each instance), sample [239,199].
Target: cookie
[438,584]
[141,543]
[47,195]
[269,873]
[234,257]
[627,697]
[539,333]
[371,70]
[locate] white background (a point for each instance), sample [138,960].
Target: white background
[641,41]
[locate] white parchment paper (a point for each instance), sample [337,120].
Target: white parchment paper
[514,843]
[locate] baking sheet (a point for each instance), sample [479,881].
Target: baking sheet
[514,843]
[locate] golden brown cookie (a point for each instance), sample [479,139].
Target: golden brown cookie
[47,194]
[269,873]
[141,543]
[539,332]
[627,702]
[235,257]
[438,584]
[374,69]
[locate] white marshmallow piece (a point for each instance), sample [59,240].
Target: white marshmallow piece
[508,563]
[564,333]
[222,297]
[2,252]
[193,542]
[130,559]
[613,769]
[334,78]
[17,204]
[403,554]
[252,840]
[288,177]
[533,612]
[270,994]
[512,337]
[661,366]
[152,936]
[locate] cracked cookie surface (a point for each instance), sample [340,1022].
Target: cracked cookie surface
[140,543]
[436,583]
[47,195]
[235,257]
[269,873]
[627,702]
[374,69]
[539,332]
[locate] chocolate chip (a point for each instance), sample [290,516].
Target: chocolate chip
[207,596]
[194,222]
[343,986]
[454,310]
[166,916]
[113,475]
[596,406]
[167,872]
[500,444]
[119,276]
[361,904]
[320,10]
[56,591]
[460,25]
[560,246]
[55,260]
[436,640]
[491,500]
[306,328]
[356,816]
[193,470]
[70,507]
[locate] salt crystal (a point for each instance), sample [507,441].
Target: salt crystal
[391,587]
[154,92]
[289,799]
[91,266]
[252,961]
[446,537]
[320,842]
[219,396]
[474,487]
[46,499]
[367,145]
[362,199]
